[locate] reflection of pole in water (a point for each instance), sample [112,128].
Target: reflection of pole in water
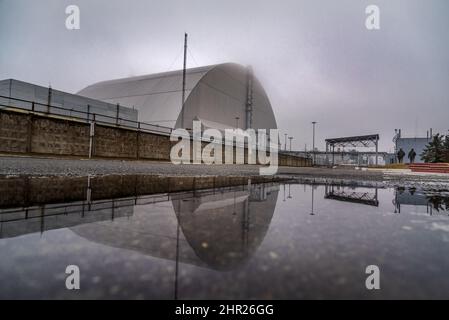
[42,212]
[289,194]
[245,226]
[235,212]
[397,205]
[177,250]
[312,213]
[284,192]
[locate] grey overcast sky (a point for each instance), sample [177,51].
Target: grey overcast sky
[315,58]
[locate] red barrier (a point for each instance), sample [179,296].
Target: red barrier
[430,167]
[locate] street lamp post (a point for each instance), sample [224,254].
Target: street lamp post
[290,138]
[285,145]
[237,122]
[313,141]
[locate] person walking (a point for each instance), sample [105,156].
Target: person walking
[400,155]
[412,155]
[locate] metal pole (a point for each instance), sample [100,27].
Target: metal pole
[184,80]
[249,98]
[313,142]
[117,114]
[333,155]
[285,145]
[290,138]
[377,149]
[91,137]
[327,150]
[50,93]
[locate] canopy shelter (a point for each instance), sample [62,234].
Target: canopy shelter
[365,141]
[348,195]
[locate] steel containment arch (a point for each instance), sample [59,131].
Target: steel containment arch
[221,96]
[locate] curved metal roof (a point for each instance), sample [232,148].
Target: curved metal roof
[214,93]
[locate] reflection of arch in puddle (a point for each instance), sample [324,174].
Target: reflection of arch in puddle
[226,228]
[221,228]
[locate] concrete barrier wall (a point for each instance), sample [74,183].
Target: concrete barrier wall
[113,142]
[61,137]
[27,133]
[14,132]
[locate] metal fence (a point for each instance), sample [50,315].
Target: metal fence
[15,104]
[9,103]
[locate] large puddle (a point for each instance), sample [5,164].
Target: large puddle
[150,238]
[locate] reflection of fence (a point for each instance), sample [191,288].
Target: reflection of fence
[343,194]
[43,217]
[16,222]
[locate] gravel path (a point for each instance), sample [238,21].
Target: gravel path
[75,167]
[15,165]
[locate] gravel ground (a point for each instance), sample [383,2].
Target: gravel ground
[10,165]
[76,167]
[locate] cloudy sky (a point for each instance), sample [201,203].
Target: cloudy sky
[316,59]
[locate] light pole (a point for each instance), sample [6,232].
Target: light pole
[285,145]
[237,122]
[290,138]
[313,141]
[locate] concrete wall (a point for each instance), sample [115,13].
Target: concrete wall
[14,132]
[27,133]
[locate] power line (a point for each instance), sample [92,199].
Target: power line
[191,56]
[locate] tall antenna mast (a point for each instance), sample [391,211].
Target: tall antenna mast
[249,97]
[184,80]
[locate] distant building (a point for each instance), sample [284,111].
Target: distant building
[221,96]
[70,104]
[406,144]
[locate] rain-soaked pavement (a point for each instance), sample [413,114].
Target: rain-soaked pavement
[149,238]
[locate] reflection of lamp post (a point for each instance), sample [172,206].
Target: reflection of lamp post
[312,213]
[235,212]
[178,230]
[284,192]
[289,194]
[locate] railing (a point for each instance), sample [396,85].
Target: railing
[90,117]
[85,116]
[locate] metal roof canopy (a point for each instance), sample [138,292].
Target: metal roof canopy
[355,141]
[371,140]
